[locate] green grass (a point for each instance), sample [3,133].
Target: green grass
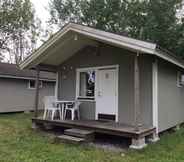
[19,143]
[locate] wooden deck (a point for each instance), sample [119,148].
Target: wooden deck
[105,127]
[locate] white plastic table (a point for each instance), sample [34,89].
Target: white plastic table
[63,104]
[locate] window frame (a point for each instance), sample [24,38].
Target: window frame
[179,79]
[29,85]
[85,98]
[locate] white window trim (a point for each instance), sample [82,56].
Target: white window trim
[179,85]
[85,98]
[40,86]
[79,70]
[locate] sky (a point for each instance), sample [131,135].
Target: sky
[41,7]
[42,12]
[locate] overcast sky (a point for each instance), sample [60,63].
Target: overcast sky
[41,7]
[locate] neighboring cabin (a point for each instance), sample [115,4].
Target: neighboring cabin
[17,88]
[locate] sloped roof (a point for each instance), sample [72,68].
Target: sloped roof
[13,71]
[63,38]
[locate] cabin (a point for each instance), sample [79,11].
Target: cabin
[127,87]
[17,88]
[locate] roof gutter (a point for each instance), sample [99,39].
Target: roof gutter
[169,57]
[27,78]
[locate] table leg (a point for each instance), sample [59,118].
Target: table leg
[62,107]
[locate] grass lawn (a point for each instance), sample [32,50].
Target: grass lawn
[19,143]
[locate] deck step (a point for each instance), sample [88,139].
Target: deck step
[70,139]
[88,135]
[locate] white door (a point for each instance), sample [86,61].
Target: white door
[106,99]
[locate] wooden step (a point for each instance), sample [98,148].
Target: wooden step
[88,135]
[70,139]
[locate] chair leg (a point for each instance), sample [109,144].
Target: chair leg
[78,114]
[53,113]
[73,114]
[60,114]
[50,114]
[45,114]
[65,114]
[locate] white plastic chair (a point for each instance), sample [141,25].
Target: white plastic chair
[73,108]
[50,107]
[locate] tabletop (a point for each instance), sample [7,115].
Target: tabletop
[64,101]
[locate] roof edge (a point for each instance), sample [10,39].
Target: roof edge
[168,57]
[45,45]
[26,78]
[121,41]
[81,29]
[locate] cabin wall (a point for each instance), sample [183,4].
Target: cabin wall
[170,96]
[107,55]
[15,95]
[146,89]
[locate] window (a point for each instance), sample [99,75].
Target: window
[32,84]
[86,84]
[180,79]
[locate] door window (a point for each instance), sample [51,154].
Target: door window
[86,85]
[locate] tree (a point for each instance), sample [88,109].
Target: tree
[162,26]
[109,15]
[149,20]
[19,29]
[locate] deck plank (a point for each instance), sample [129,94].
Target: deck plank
[111,128]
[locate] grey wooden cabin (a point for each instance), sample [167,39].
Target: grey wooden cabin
[17,88]
[115,77]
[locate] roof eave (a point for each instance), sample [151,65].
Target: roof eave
[169,58]
[114,39]
[130,43]
[42,48]
[26,78]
